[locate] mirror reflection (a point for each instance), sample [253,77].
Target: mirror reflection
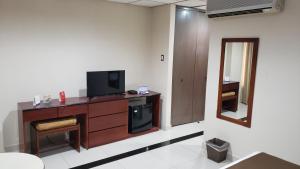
[236,79]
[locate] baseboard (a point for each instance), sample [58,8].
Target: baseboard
[12,148]
[166,128]
[231,157]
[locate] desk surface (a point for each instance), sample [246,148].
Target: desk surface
[28,106]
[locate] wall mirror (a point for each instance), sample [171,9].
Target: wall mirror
[237,80]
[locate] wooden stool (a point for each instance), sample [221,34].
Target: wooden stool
[74,131]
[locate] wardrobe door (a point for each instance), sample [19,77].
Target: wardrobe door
[183,66]
[200,75]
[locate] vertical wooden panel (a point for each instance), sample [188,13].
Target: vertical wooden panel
[183,66]
[189,67]
[156,111]
[200,75]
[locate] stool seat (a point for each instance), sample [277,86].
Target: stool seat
[20,161]
[227,94]
[57,123]
[55,126]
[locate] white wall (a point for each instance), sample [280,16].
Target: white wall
[237,61]
[160,78]
[276,113]
[49,45]
[234,61]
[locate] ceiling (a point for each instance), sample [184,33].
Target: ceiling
[200,4]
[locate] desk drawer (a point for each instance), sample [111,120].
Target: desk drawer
[41,114]
[109,121]
[106,108]
[72,110]
[107,136]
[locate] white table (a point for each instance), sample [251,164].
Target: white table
[20,161]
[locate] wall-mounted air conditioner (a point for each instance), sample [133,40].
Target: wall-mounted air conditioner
[222,8]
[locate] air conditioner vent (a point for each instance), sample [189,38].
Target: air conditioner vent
[253,11]
[222,8]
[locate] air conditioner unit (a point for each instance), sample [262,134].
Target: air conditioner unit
[222,8]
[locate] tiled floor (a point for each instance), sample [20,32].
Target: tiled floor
[188,154]
[240,113]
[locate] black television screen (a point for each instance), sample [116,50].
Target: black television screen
[105,83]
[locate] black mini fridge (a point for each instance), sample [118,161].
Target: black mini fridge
[140,118]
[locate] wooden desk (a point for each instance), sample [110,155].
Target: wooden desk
[28,113]
[92,114]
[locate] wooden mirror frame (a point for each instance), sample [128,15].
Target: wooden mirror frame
[255,42]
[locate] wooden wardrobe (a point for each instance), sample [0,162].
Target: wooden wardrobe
[189,66]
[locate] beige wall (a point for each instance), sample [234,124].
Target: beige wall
[49,45]
[160,79]
[276,113]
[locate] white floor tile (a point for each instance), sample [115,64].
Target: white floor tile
[239,114]
[196,144]
[113,165]
[73,158]
[121,147]
[152,138]
[142,141]
[55,162]
[174,154]
[144,161]
[201,163]
[188,154]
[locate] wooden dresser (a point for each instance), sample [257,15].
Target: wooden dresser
[102,119]
[108,121]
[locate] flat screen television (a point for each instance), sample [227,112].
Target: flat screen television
[103,83]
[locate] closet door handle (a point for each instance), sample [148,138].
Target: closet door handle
[181,80]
